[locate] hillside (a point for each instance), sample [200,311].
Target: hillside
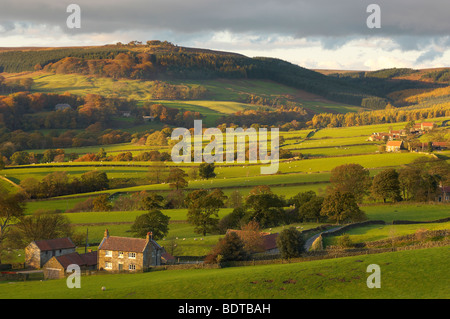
[165,61]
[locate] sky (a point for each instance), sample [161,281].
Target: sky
[316,34]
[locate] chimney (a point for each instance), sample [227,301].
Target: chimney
[106,233]
[149,236]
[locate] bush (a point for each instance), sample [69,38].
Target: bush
[290,242]
[229,248]
[344,241]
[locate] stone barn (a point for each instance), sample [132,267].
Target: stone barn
[56,267]
[38,252]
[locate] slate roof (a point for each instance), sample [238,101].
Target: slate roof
[88,259]
[269,240]
[55,244]
[123,244]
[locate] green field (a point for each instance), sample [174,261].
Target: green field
[412,212]
[405,274]
[377,232]
[223,96]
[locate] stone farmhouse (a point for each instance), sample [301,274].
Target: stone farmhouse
[56,267]
[117,254]
[394,146]
[38,252]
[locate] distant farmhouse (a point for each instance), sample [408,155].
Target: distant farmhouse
[424,126]
[38,252]
[394,146]
[56,267]
[62,106]
[128,254]
[444,194]
[148,118]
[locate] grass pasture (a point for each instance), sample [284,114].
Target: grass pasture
[377,232]
[405,274]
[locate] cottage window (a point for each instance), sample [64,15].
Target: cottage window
[131,255]
[108,253]
[108,265]
[120,254]
[132,267]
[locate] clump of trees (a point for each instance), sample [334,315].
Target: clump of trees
[154,222]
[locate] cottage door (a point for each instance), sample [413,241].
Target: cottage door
[120,266]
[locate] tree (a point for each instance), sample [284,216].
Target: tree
[175,199]
[311,209]
[20,158]
[290,242]
[94,181]
[11,210]
[267,208]
[252,237]
[229,248]
[352,178]
[206,170]
[152,201]
[154,222]
[203,207]
[232,220]
[386,185]
[101,154]
[157,173]
[156,139]
[301,198]
[39,227]
[342,207]
[101,203]
[176,178]
[235,199]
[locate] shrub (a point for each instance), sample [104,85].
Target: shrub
[344,241]
[290,242]
[229,248]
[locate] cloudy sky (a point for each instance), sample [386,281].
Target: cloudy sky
[325,34]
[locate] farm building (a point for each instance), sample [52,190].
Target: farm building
[56,267]
[38,252]
[128,254]
[394,146]
[62,106]
[268,244]
[147,118]
[441,146]
[424,126]
[444,194]
[167,258]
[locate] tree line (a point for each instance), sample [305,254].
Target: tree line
[59,184]
[390,115]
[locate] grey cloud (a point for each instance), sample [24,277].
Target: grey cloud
[410,22]
[429,55]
